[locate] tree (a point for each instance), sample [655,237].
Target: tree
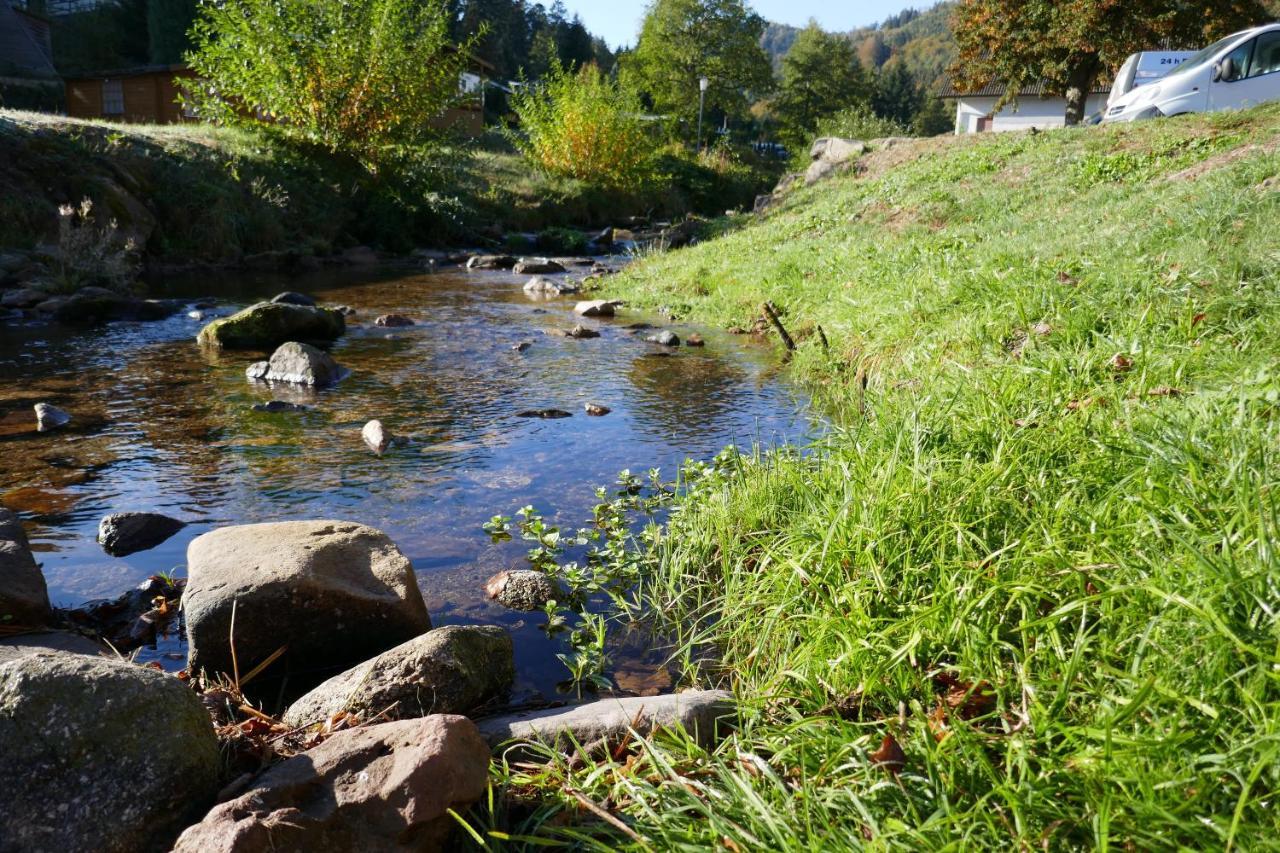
[821,75]
[684,40]
[168,22]
[934,118]
[1070,43]
[897,96]
[360,77]
[583,125]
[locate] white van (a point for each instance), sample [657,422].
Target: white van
[1237,72]
[1141,69]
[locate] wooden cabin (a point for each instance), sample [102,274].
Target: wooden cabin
[136,95]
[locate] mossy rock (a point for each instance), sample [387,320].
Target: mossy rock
[269,324]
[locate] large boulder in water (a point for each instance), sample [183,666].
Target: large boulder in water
[297,364]
[378,788]
[452,670]
[269,324]
[100,755]
[24,598]
[334,593]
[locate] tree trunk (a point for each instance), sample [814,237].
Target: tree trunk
[1079,85]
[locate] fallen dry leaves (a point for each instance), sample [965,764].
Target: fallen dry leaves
[889,756]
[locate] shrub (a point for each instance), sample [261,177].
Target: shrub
[860,123]
[585,126]
[357,76]
[90,254]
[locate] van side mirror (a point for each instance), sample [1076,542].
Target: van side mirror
[1225,71]
[1216,75]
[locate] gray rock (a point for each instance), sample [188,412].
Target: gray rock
[378,788]
[66,642]
[830,154]
[522,589]
[94,305]
[597,308]
[23,298]
[490,262]
[362,256]
[334,592]
[279,406]
[666,337]
[269,324]
[581,333]
[376,436]
[50,417]
[539,286]
[298,364]
[537,266]
[290,297]
[452,670]
[51,306]
[522,346]
[123,533]
[704,713]
[24,598]
[596,410]
[546,414]
[100,755]
[393,321]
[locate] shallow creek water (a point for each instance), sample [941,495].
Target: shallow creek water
[161,425]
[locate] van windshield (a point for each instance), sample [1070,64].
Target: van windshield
[1200,57]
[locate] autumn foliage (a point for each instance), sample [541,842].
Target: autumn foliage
[1070,44]
[583,125]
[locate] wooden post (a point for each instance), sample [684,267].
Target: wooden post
[772,315]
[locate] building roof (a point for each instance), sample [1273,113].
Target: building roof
[24,51]
[136,71]
[996,89]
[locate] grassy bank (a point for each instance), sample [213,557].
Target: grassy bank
[195,192]
[1025,595]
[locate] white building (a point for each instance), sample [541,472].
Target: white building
[975,109]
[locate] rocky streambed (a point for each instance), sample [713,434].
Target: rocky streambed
[288,535]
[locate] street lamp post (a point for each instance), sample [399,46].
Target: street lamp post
[703,85]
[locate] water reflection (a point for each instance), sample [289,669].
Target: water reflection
[160,425]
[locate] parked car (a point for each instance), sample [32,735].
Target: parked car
[1237,72]
[1142,69]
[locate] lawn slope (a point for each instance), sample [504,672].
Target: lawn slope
[1025,594]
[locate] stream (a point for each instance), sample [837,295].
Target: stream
[160,425]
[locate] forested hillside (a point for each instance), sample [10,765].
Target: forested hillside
[919,39]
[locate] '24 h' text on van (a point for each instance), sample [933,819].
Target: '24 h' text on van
[1143,69]
[1241,70]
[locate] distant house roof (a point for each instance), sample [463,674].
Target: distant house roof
[24,44]
[995,89]
[136,71]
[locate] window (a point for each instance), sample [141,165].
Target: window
[112,98]
[1266,56]
[1239,62]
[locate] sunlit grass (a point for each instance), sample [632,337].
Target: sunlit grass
[1038,551]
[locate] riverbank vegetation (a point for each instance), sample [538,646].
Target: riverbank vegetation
[1022,594]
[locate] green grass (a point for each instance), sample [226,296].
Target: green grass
[1039,549]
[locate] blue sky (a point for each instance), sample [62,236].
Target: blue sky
[618,21]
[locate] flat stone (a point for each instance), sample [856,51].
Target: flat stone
[543,413]
[276,406]
[394,321]
[490,262]
[596,410]
[695,340]
[541,286]
[123,533]
[703,713]
[581,333]
[451,670]
[66,642]
[537,266]
[377,789]
[23,298]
